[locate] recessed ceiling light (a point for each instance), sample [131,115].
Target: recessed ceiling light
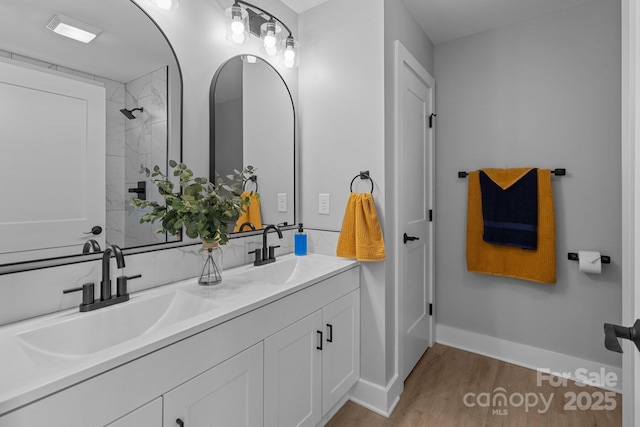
[73,28]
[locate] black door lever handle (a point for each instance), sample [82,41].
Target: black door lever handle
[95,230]
[613,332]
[409,238]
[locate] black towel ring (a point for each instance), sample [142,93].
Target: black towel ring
[253,178]
[362,175]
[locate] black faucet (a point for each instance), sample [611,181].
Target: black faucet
[246,224]
[91,245]
[266,254]
[106,299]
[105,284]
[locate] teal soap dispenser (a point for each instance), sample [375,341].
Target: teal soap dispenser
[300,241]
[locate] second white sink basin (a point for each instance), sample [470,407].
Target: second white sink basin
[284,271]
[86,333]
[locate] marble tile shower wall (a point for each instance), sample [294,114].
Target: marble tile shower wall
[145,144]
[115,149]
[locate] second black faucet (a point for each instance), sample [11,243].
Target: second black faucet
[266,254]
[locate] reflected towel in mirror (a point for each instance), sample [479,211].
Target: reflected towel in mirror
[251,213]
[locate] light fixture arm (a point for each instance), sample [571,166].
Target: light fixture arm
[266,13]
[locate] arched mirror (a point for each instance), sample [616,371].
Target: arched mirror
[252,121]
[139,99]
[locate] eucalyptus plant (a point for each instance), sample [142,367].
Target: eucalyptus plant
[203,208]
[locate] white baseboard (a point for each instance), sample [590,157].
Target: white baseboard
[376,398]
[526,356]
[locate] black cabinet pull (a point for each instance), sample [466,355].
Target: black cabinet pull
[330,333]
[180,422]
[319,347]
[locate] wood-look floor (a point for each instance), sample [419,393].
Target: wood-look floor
[434,396]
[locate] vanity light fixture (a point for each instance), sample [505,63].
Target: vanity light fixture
[72,28]
[290,52]
[270,33]
[166,4]
[244,18]
[237,24]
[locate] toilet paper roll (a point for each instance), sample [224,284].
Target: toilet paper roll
[590,262]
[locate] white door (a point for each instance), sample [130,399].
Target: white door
[630,207]
[292,374]
[341,348]
[50,197]
[227,395]
[414,181]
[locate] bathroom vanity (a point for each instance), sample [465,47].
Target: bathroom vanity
[276,345]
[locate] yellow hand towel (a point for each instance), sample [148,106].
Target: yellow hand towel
[361,236]
[536,265]
[250,213]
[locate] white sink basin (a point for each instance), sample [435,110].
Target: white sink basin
[285,271]
[86,333]
[44,355]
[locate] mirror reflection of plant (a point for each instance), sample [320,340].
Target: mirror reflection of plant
[203,208]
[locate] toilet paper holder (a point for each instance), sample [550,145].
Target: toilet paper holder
[574,257]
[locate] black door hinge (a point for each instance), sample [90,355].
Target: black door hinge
[430,215]
[431,117]
[430,309]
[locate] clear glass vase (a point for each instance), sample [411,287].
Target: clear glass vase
[211,273]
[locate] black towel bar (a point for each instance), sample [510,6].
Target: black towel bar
[574,257]
[556,172]
[362,175]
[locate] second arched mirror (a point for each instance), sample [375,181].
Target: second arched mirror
[252,123]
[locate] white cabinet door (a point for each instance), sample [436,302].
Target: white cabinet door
[53,153]
[150,415]
[341,350]
[227,395]
[292,380]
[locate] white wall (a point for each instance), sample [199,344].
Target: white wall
[400,24]
[346,110]
[342,132]
[542,93]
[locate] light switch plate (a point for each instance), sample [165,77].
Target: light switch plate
[282,202]
[324,204]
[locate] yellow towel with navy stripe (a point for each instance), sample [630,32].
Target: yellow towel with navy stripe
[250,214]
[539,264]
[361,235]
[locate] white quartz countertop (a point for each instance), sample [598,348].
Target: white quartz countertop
[27,375]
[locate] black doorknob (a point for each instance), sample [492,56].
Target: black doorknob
[409,238]
[613,332]
[96,229]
